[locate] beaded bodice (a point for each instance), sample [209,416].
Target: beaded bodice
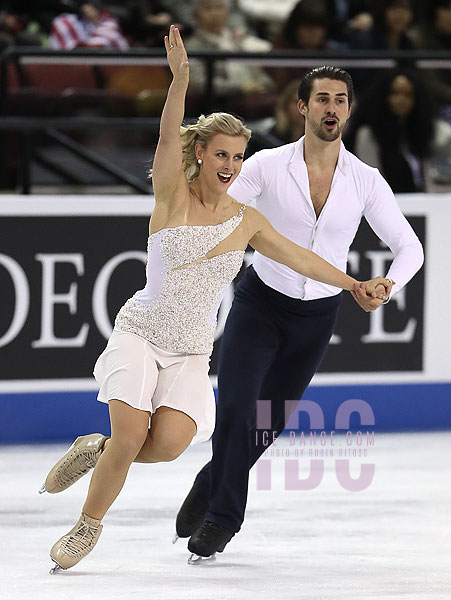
[177,308]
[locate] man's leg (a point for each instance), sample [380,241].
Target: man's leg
[304,344]
[292,371]
[304,338]
[248,348]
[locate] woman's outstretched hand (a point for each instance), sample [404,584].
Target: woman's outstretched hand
[371,294]
[378,287]
[176,53]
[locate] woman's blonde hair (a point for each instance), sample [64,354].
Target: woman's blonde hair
[201,132]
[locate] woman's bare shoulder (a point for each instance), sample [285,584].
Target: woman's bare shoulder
[253,215]
[254,220]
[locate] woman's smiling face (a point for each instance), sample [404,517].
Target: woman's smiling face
[222,160]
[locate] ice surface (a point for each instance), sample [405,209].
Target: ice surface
[389,541]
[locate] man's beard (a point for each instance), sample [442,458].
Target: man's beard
[327,136]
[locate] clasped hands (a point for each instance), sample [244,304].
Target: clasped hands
[372,293]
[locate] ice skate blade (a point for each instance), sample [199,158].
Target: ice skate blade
[56,569]
[194,559]
[42,490]
[175,538]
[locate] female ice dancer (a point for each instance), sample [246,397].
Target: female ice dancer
[157,358]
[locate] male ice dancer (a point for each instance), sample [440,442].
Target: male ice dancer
[314,192]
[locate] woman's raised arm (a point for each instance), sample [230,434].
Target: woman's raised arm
[167,171]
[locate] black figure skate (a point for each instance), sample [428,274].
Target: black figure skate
[206,541]
[191,514]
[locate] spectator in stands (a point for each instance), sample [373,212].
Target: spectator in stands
[395,130]
[7,30]
[35,18]
[92,27]
[434,33]
[146,22]
[16,29]
[306,28]
[393,20]
[267,16]
[349,16]
[184,12]
[230,78]
[344,15]
[287,125]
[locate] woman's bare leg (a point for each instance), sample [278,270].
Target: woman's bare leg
[129,427]
[170,434]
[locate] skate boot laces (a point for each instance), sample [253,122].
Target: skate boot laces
[81,542]
[74,467]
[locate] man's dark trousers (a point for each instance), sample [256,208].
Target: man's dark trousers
[271,348]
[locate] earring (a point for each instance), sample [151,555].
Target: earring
[199,161]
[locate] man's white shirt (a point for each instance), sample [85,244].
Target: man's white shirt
[276,182]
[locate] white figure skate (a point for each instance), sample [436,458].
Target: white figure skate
[78,460]
[76,544]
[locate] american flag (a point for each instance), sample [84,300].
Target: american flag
[68,31]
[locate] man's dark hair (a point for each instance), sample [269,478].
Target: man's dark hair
[305,88]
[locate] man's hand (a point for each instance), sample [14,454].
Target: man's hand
[371,294]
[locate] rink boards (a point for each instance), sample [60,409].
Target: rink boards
[68,263]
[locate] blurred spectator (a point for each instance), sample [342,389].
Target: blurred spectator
[306,28]
[434,33]
[395,129]
[344,15]
[393,20]
[267,15]
[91,27]
[8,29]
[392,30]
[17,29]
[230,77]
[347,17]
[287,125]
[184,12]
[41,14]
[146,22]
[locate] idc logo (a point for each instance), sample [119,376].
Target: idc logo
[340,445]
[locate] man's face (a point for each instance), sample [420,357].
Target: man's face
[327,110]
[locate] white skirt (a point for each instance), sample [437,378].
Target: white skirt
[146,377]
